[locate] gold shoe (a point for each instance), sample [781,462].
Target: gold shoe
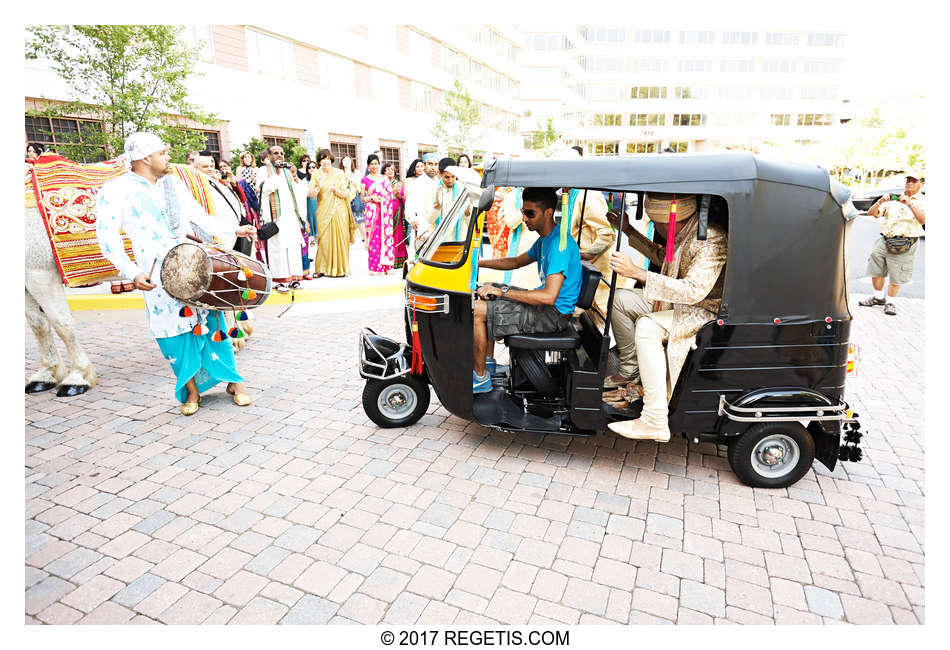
[190,408]
[241,399]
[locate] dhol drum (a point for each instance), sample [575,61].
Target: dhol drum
[209,277]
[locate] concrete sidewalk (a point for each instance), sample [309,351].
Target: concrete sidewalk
[299,510]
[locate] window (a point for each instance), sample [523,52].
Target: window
[547,42]
[420,47]
[647,119]
[337,74]
[603,148]
[780,119]
[691,92]
[739,38]
[385,85]
[603,93]
[814,119]
[648,64]
[651,36]
[392,154]
[735,93]
[820,92]
[641,147]
[604,35]
[278,141]
[824,39]
[689,119]
[806,143]
[779,66]
[696,37]
[694,65]
[736,65]
[606,119]
[823,67]
[270,56]
[648,92]
[679,147]
[198,38]
[59,131]
[781,38]
[212,143]
[424,149]
[602,63]
[776,92]
[341,149]
[422,97]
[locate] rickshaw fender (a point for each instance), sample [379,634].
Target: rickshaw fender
[827,438]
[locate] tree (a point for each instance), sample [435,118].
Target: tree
[543,138]
[292,151]
[128,77]
[455,125]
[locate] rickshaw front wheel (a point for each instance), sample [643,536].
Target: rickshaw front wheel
[772,454]
[395,402]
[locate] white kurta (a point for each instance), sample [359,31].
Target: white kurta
[283,249]
[227,210]
[132,204]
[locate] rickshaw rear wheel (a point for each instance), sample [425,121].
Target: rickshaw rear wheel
[395,402]
[772,454]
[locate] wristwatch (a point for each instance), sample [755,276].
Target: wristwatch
[504,290]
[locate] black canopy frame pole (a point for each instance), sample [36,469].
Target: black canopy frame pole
[605,341]
[581,224]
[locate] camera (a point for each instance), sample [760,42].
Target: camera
[895,197]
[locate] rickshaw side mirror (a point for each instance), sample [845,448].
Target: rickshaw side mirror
[486,199]
[703,217]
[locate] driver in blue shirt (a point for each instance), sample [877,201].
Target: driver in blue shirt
[545,310]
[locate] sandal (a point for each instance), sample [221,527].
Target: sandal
[241,399]
[190,408]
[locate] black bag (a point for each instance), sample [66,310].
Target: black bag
[267,231]
[898,245]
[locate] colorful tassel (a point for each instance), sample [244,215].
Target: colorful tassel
[247,272]
[241,277]
[241,315]
[236,333]
[185,312]
[246,294]
[671,234]
[251,295]
[562,242]
[218,336]
[199,330]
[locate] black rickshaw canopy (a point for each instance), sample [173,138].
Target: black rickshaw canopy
[787,222]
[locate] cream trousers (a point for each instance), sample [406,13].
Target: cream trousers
[629,305]
[653,330]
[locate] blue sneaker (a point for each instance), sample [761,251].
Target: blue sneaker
[490,365]
[481,384]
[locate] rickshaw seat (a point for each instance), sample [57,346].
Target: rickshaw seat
[567,339]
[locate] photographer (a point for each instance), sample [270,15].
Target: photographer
[902,224]
[280,206]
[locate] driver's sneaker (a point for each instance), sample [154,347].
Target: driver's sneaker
[481,384]
[640,430]
[873,301]
[491,366]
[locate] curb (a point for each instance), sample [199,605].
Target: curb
[106,302]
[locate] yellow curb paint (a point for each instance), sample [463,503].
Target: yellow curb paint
[105,301]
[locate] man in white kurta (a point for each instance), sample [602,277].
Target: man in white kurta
[279,204]
[156,212]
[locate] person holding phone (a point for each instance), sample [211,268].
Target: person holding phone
[902,224]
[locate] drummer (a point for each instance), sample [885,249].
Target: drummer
[156,212]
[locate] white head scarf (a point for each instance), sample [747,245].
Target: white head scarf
[140,145]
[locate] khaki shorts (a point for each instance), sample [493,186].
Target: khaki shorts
[899,269]
[507,317]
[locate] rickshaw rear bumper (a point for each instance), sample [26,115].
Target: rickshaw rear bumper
[381,357]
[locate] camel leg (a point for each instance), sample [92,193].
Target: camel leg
[49,293]
[51,368]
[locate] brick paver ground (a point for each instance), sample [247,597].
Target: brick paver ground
[299,510]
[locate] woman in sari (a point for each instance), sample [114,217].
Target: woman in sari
[400,226]
[357,207]
[378,219]
[335,226]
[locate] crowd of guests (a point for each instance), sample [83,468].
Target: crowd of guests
[334,205]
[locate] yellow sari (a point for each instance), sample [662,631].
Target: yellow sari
[335,226]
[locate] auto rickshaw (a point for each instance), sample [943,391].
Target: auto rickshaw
[766,376]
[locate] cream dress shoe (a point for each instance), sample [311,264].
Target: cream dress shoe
[640,430]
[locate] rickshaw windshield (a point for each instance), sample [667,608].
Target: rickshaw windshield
[448,244]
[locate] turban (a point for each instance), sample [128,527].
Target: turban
[141,145]
[657,207]
[430,157]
